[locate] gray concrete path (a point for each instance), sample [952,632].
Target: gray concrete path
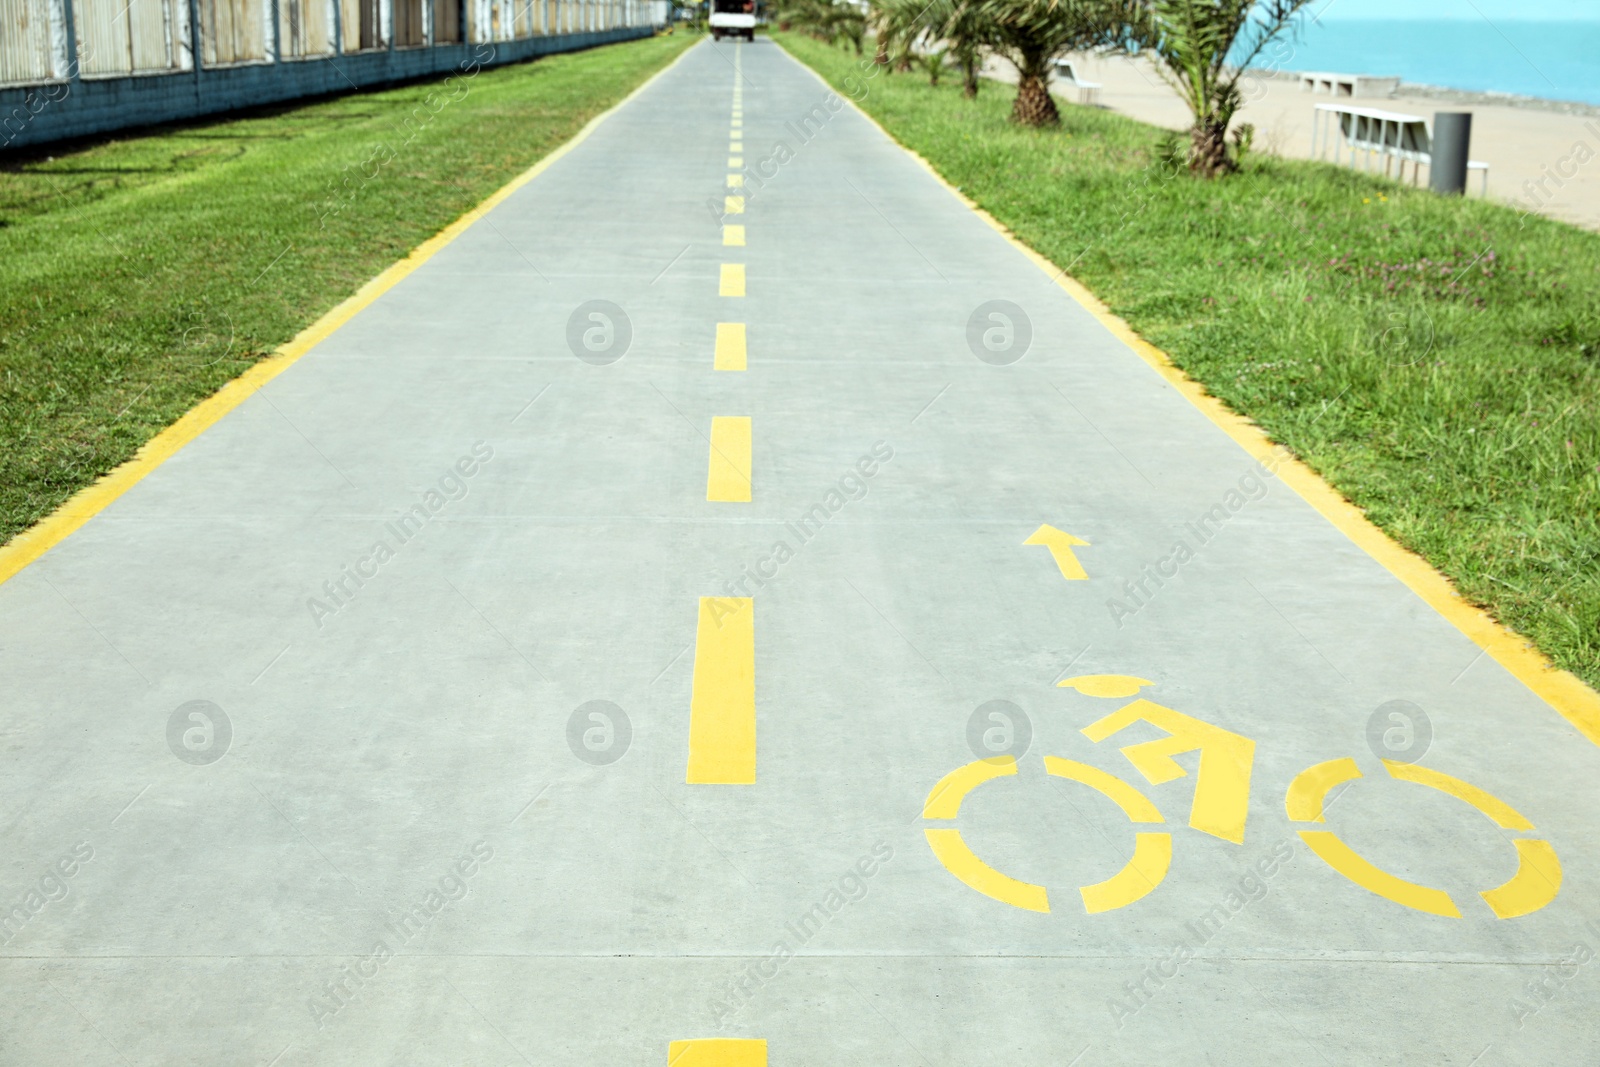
[397,830]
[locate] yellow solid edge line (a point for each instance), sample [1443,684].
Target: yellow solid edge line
[1134,804]
[1562,690]
[722,702]
[1504,815]
[1304,799]
[717,1052]
[733,235]
[1152,856]
[730,350]
[944,800]
[1536,883]
[731,281]
[962,862]
[89,501]
[1348,862]
[728,471]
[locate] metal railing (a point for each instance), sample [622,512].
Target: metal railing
[1377,137]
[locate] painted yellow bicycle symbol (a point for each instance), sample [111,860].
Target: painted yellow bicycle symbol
[1535,883]
[1152,851]
[1221,797]
[1220,809]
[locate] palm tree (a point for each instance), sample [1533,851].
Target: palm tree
[904,35]
[961,27]
[826,20]
[1033,33]
[889,23]
[1203,47]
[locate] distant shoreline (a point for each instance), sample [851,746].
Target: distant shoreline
[1446,95]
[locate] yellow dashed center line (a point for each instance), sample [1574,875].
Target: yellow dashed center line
[728,473]
[730,352]
[717,1052]
[722,705]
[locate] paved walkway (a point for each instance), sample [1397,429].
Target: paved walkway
[511,683]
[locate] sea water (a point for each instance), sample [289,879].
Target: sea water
[1555,60]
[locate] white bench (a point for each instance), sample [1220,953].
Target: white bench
[1349,84]
[1088,92]
[1398,138]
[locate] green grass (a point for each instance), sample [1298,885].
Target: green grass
[138,276]
[1437,360]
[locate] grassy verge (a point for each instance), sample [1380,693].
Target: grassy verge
[139,276]
[1436,360]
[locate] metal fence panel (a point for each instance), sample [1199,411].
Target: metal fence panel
[27,45]
[409,32]
[152,39]
[305,28]
[232,31]
[361,23]
[138,37]
[116,38]
[102,27]
[495,20]
[446,21]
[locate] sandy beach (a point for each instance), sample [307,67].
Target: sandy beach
[1542,155]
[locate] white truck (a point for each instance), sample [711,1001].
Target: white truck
[733,18]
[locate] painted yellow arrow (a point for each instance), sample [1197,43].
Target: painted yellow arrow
[1060,543]
[1222,788]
